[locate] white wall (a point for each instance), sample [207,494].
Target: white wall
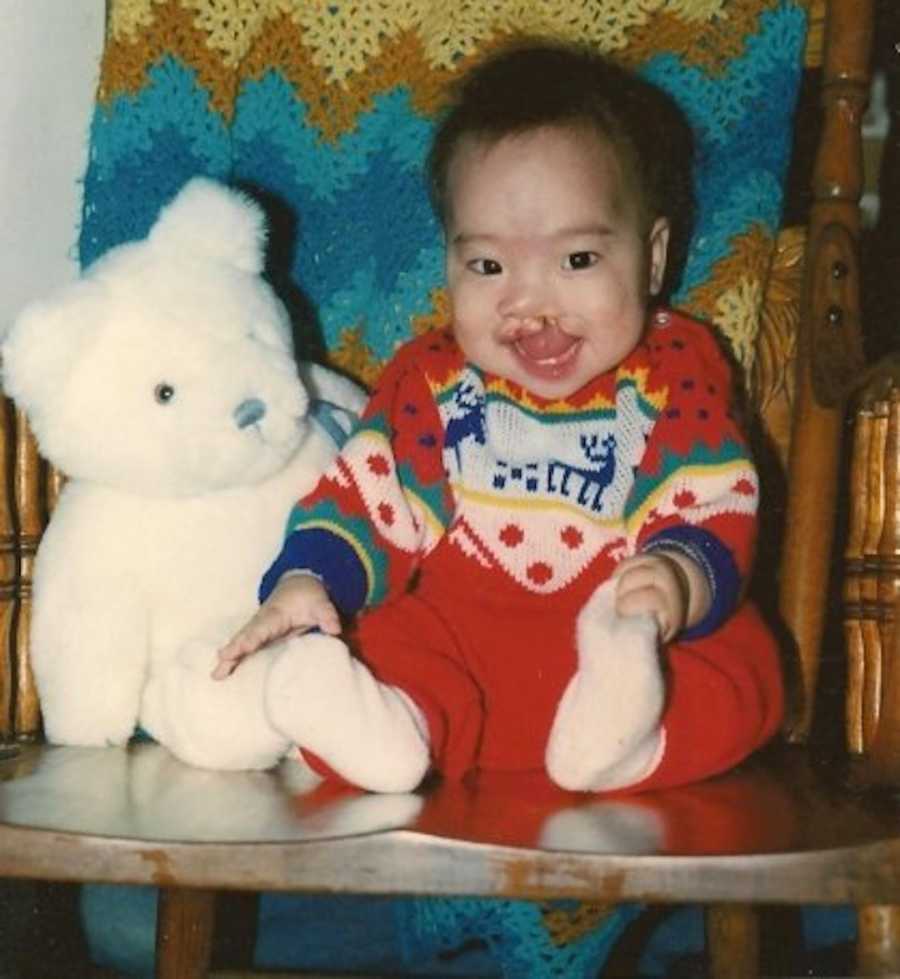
[50,52]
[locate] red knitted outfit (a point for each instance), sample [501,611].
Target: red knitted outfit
[468,521]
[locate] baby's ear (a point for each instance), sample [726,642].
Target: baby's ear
[42,347]
[208,220]
[658,253]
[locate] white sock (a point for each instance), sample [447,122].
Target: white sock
[328,702]
[606,733]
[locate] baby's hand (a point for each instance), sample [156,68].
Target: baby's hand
[668,586]
[298,603]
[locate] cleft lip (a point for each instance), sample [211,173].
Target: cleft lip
[549,345]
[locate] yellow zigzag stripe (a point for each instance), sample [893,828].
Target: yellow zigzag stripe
[128,17]
[732,294]
[358,48]
[141,32]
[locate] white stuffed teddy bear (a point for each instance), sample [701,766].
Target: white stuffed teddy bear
[163,384]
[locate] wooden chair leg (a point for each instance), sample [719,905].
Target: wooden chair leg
[184,929]
[732,941]
[878,940]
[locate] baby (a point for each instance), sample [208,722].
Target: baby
[540,530]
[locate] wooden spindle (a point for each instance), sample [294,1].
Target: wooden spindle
[878,941]
[184,930]
[868,581]
[732,938]
[8,572]
[882,764]
[27,477]
[888,551]
[853,570]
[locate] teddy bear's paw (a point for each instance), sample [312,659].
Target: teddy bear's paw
[326,701]
[604,827]
[88,734]
[87,723]
[197,655]
[210,723]
[89,695]
[606,733]
[200,654]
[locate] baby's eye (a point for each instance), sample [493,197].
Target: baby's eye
[484,266]
[580,260]
[164,392]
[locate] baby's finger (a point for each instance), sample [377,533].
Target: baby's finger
[637,600]
[646,600]
[632,564]
[328,620]
[635,578]
[224,668]
[229,657]
[251,638]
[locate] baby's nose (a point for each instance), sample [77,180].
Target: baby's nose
[529,297]
[249,412]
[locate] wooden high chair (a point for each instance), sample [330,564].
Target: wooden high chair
[782,830]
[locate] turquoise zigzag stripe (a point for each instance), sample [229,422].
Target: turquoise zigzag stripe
[143,148]
[268,109]
[742,126]
[369,248]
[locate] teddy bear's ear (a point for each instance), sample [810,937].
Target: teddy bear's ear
[208,220]
[44,343]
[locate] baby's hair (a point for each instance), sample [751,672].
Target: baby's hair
[534,83]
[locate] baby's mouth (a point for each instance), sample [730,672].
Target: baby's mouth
[547,353]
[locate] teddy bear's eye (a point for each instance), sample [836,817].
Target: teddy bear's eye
[163,392]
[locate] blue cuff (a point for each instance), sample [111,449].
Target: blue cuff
[330,558]
[717,563]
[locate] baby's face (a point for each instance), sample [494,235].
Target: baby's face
[548,268]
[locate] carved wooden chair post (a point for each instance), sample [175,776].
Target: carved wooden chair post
[829,347]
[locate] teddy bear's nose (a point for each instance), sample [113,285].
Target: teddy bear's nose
[249,412]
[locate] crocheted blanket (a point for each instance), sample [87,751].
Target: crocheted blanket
[325,107]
